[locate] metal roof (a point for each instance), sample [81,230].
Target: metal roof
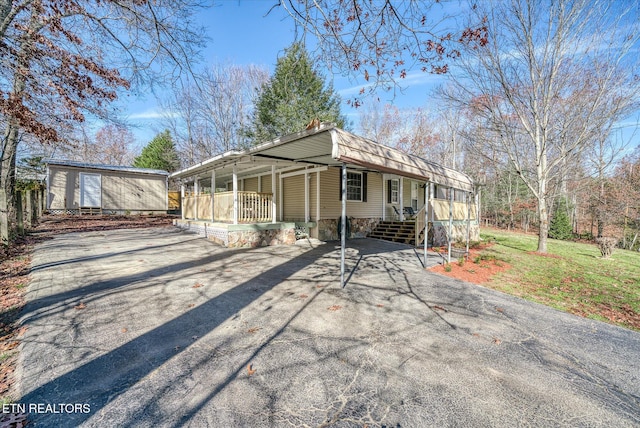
[328,145]
[83,165]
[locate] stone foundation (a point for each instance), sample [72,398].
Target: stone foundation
[261,238]
[359,228]
[242,235]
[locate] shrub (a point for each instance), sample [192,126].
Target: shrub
[560,226]
[606,246]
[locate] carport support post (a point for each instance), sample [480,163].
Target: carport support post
[468,194]
[343,223]
[182,204]
[451,192]
[426,220]
[196,193]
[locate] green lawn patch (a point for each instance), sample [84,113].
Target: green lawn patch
[572,276]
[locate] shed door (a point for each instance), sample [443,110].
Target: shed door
[90,190]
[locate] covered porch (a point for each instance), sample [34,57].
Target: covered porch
[314,182]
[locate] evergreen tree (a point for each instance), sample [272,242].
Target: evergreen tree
[295,95]
[560,226]
[160,153]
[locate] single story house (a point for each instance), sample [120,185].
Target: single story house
[291,187]
[76,187]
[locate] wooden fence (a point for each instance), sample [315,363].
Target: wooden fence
[31,206]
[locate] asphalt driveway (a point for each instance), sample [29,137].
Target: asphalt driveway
[157,327]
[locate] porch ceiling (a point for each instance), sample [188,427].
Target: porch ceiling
[327,146]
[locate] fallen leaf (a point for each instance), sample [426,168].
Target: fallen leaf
[497,341]
[197,285]
[124,330]
[334,308]
[253,330]
[380,305]
[500,310]
[192,305]
[303,296]
[250,369]
[80,306]
[439,307]
[319,286]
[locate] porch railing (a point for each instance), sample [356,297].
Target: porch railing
[253,207]
[419,228]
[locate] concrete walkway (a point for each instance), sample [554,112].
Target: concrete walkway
[156,327]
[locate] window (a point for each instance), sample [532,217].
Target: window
[441,192]
[393,191]
[354,186]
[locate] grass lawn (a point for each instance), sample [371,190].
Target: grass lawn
[572,277]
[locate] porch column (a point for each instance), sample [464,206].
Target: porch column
[451,192]
[306,197]
[281,199]
[196,193]
[182,207]
[235,195]
[427,186]
[401,198]
[273,194]
[213,192]
[318,199]
[384,197]
[343,231]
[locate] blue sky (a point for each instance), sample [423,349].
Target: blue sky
[242,33]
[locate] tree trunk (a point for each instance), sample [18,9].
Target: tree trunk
[8,183]
[543,231]
[11,136]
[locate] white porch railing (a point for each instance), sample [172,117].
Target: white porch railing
[253,207]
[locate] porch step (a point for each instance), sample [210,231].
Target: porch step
[395,231]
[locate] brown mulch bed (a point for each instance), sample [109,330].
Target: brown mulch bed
[466,270]
[15,265]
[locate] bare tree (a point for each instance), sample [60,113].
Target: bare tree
[381,41]
[546,85]
[61,61]
[210,118]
